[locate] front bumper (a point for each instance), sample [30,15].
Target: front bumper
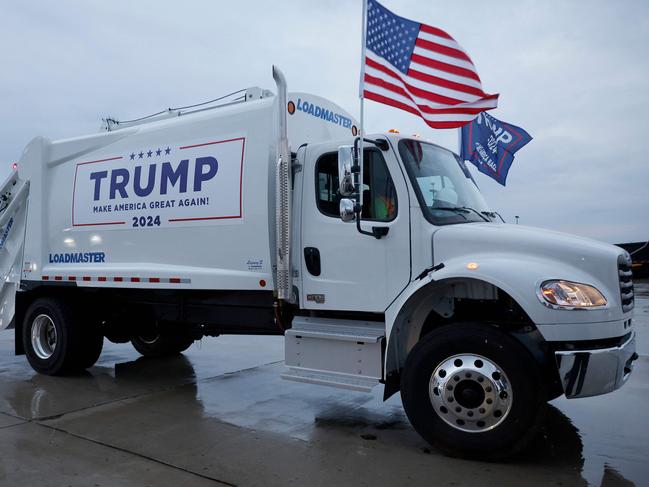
[586,373]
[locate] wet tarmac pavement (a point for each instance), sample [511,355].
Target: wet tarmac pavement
[221,415]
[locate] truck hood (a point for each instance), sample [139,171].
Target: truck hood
[480,238]
[518,259]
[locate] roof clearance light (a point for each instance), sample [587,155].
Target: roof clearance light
[14,166]
[472,266]
[393,131]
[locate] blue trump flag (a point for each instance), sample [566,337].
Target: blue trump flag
[491,144]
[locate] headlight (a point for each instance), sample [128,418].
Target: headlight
[566,294]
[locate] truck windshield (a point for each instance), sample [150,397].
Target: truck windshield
[445,189]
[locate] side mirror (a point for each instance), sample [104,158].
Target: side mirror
[347,210]
[345,176]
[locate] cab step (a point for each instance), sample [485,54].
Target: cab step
[338,353]
[332,379]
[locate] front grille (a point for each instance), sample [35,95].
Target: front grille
[626,281]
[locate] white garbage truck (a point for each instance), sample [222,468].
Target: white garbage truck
[381,265]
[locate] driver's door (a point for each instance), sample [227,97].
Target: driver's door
[341,268]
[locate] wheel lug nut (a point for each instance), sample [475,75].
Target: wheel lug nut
[503,394]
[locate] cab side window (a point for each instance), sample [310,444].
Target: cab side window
[379,193]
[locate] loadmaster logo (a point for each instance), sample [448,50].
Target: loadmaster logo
[320,112]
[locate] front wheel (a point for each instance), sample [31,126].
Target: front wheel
[472,391]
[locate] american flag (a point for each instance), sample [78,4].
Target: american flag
[420,69]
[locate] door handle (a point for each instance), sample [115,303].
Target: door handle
[312,260]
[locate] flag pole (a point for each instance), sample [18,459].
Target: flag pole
[361,89]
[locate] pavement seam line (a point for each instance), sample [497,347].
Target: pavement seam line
[225,374]
[12,425]
[140,455]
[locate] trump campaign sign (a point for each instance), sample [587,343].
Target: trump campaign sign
[491,144]
[161,186]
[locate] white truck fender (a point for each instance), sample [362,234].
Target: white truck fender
[518,276]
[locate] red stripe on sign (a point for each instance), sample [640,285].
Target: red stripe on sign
[154,279]
[72,278]
[101,279]
[100,160]
[46,278]
[96,224]
[174,280]
[87,278]
[211,143]
[118,279]
[203,218]
[135,279]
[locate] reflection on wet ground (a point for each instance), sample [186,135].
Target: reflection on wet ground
[220,414]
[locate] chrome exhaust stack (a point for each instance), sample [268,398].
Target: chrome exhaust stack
[283,196]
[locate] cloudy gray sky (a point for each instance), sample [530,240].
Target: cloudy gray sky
[575,75]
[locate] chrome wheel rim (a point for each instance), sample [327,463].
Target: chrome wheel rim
[44,336]
[471,393]
[150,340]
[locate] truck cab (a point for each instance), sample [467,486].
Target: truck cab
[425,263]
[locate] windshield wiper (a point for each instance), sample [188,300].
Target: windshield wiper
[461,210]
[456,209]
[493,214]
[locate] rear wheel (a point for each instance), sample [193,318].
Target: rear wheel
[55,339]
[472,391]
[159,342]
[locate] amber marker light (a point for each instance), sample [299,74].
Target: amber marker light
[472,266]
[393,131]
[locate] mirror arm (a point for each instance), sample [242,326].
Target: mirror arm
[377,232]
[380,143]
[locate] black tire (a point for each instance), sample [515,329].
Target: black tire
[508,432]
[162,344]
[77,345]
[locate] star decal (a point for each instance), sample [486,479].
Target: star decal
[158,152]
[167,151]
[150,153]
[141,155]
[132,155]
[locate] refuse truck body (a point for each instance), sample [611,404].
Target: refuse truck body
[377,259]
